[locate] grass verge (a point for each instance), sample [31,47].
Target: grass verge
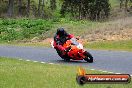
[124,45]
[111,45]
[33,44]
[22,74]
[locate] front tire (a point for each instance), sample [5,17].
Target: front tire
[66,59]
[89,57]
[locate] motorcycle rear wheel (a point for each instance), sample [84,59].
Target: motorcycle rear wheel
[89,57]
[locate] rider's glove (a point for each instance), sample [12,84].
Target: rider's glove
[57,42]
[67,49]
[67,38]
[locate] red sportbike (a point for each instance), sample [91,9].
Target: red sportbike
[75,51]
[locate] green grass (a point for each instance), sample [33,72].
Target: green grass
[20,29]
[27,29]
[78,28]
[111,45]
[22,74]
[114,3]
[33,44]
[15,31]
[125,45]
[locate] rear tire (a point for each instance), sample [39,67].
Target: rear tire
[89,57]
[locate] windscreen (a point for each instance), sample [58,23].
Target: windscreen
[74,42]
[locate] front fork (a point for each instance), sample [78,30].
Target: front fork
[82,53]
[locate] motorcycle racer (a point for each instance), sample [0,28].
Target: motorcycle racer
[69,48]
[60,38]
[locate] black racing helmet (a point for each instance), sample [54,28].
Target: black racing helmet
[61,32]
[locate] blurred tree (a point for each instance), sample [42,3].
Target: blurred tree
[121,3]
[10,7]
[63,8]
[124,4]
[82,9]
[28,8]
[42,8]
[53,4]
[39,5]
[20,7]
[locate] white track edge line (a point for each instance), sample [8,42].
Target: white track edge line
[27,60]
[42,62]
[50,63]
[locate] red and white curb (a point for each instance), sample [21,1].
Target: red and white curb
[56,64]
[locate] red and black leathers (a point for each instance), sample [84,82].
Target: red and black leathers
[60,40]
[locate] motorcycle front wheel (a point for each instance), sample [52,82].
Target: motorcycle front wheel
[89,57]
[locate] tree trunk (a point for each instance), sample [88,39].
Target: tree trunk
[39,5]
[80,10]
[10,8]
[42,8]
[20,5]
[53,4]
[28,8]
[64,8]
[126,5]
[121,4]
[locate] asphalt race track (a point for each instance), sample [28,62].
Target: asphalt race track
[115,61]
